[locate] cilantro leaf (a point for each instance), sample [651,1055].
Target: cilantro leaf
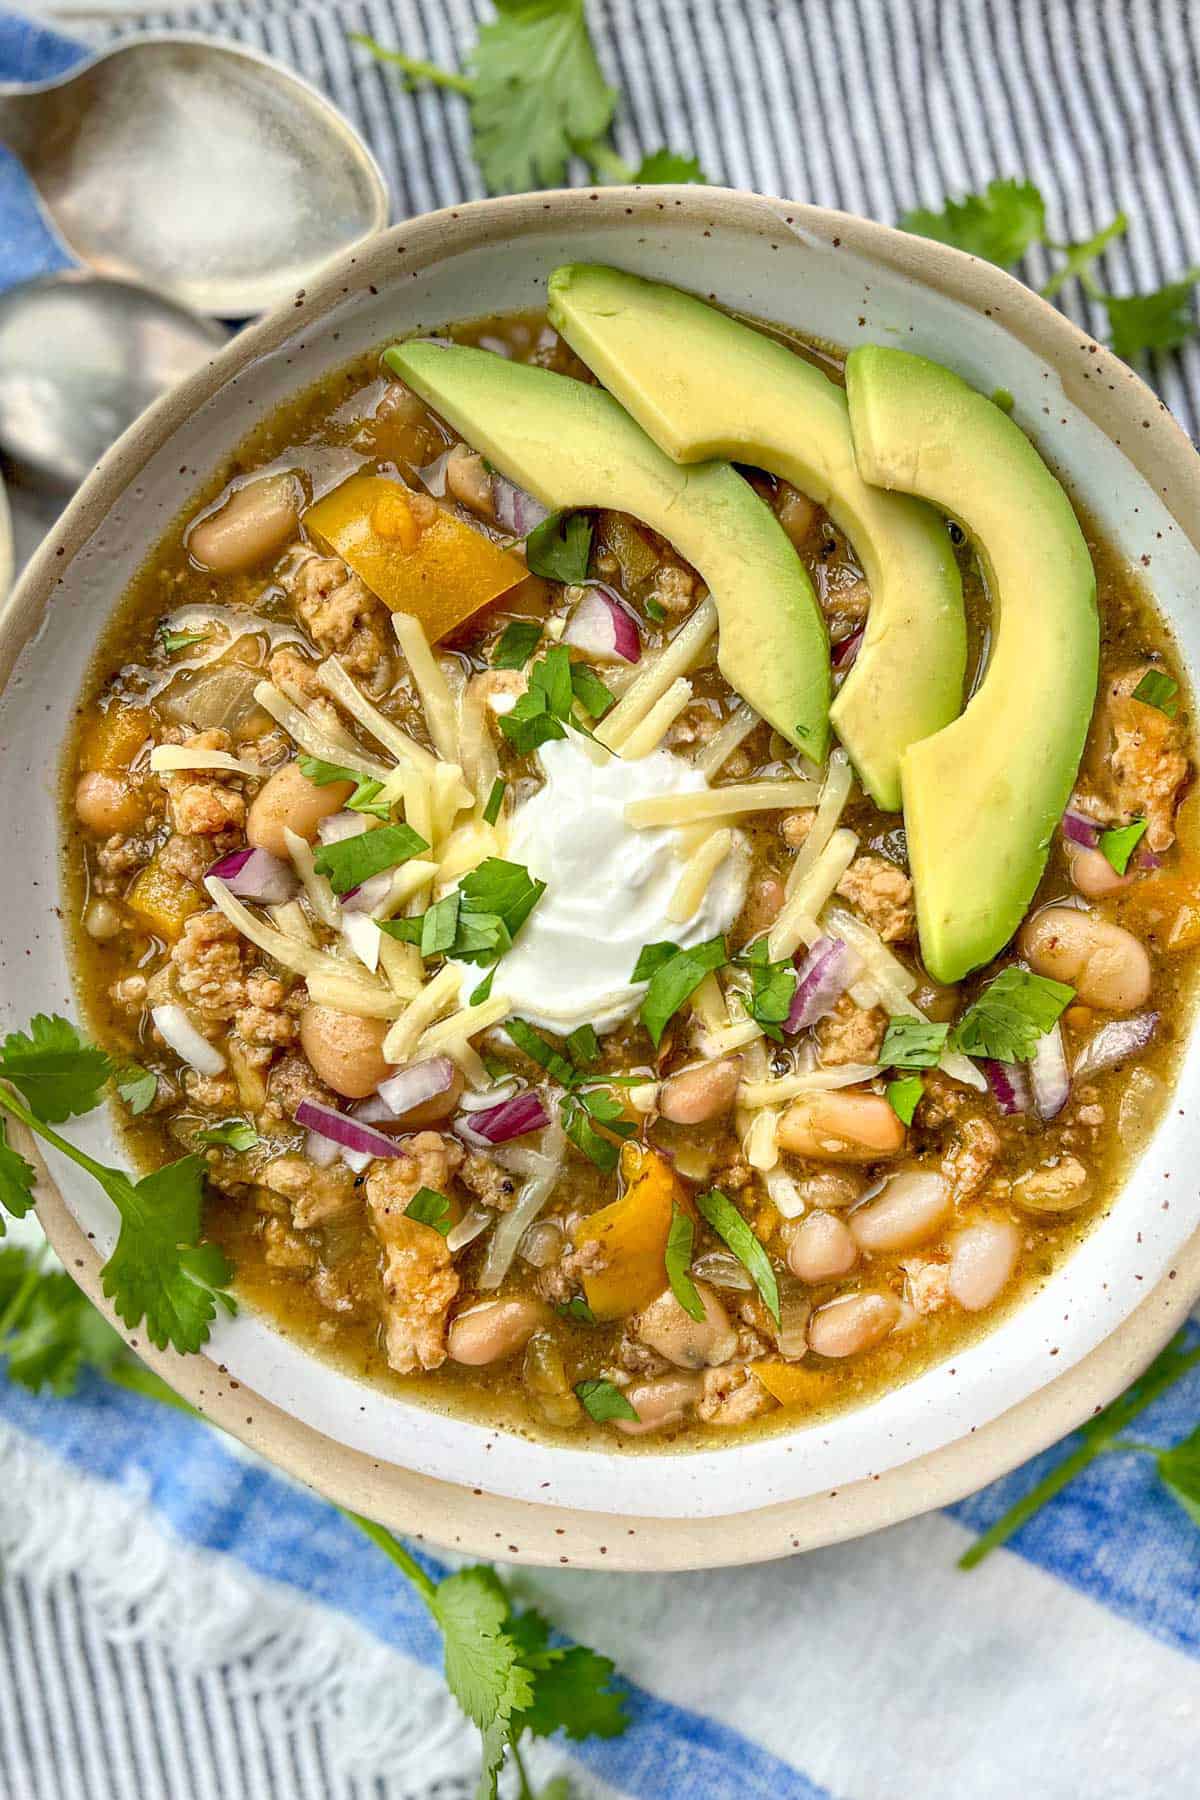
[483,1668]
[1162,320]
[905,1096]
[558,548]
[355,859]
[362,800]
[1081,256]
[668,166]
[17,1180]
[530,723]
[1119,844]
[429,1207]
[479,994]
[678,1258]
[734,1231]
[1159,690]
[478,921]
[577,1310]
[495,801]
[676,980]
[1011,1014]
[773,985]
[173,641]
[439,924]
[137,1087]
[499,889]
[583,1047]
[160,1272]
[59,1072]
[537,91]
[571,1691]
[652,957]
[602,1400]
[579,1109]
[1000,224]
[518,641]
[57,1334]
[1179,1469]
[590,691]
[913,1043]
[233,1134]
[533,1045]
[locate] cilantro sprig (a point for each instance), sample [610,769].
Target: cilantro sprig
[735,1232]
[589,1101]
[773,985]
[364,799]
[674,975]
[354,860]
[548,706]
[160,1276]
[537,97]
[478,920]
[1009,217]
[1011,1014]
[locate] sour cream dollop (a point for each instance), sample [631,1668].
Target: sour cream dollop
[608,887]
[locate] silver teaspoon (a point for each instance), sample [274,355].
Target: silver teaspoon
[202,170]
[80,358]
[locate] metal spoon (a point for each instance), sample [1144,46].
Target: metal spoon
[202,170]
[80,358]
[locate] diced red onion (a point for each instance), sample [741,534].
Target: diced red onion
[257,875]
[369,893]
[843,653]
[411,1087]
[1049,1075]
[1008,1083]
[1147,859]
[362,934]
[511,1119]
[181,1036]
[320,1150]
[473,1222]
[349,1134]
[1077,828]
[821,980]
[1114,1043]
[602,627]
[516,511]
[341,825]
[433,475]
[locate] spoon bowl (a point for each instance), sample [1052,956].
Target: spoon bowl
[197,168]
[80,358]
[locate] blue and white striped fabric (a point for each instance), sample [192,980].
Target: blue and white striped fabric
[178,1622]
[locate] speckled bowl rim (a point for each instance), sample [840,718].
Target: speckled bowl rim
[469,1519]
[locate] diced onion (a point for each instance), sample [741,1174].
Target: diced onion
[349,1134]
[821,980]
[513,1118]
[363,936]
[1049,1075]
[473,1224]
[181,1036]
[256,875]
[516,511]
[603,627]
[1077,828]
[320,1150]
[513,1225]
[1114,1043]
[412,1087]
[1008,1084]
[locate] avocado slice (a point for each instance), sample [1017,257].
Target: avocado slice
[983,796]
[703,385]
[571,445]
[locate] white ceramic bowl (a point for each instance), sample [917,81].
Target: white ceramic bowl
[1044,1368]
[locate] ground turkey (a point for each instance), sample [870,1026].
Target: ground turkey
[419,1281]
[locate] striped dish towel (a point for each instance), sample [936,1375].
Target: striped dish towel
[178,1621]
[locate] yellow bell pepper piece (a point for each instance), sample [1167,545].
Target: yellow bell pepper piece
[112,739]
[792,1384]
[163,900]
[632,1235]
[416,556]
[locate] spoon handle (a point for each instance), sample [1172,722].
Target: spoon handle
[20,111]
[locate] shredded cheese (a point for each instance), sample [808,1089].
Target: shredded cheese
[329,728]
[481,765]
[338,685]
[761,1147]
[465,848]
[401,965]
[434,999]
[796,922]
[165,759]
[734,731]
[657,673]
[320,895]
[346,994]
[892,981]
[719,803]
[431,685]
[410,879]
[698,871]
[839,780]
[649,734]
[314,739]
[452,1037]
[291,919]
[449,797]
[288,952]
[755,1094]
[708,1004]
[728,1038]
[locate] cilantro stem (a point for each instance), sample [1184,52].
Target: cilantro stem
[414,66]
[1101,1436]
[395,1551]
[525,1791]
[11,1316]
[10,1104]
[605,161]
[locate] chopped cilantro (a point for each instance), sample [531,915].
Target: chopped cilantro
[655,610]
[546,708]
[495,801]
[137,1087]
[1119,845]
[652,957]
[1003,399]
[362,800]
[602,1400]
[1000,224]
[913,1044]
[532,1044]
[735,1232]
[428,1207]
[577,1310]
[1011,1014]
[590,691]
[479,994]
[579,1108]
[1158,689]
[678,1259]
[518,641]
[439,925]
[773,986]
[674,980]
[904,1096]
[174,641]
[583,1047]
[355,859]
[558,548]
[232,1134]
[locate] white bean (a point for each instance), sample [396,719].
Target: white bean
[821,1249]
[982,1259]
[841,1127]
[1105,964]
[696,1095]
[853,1323]
[659,1403]
[499,1328]
[1094,875]
[256,519]
[907,1212]
[688,1343]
